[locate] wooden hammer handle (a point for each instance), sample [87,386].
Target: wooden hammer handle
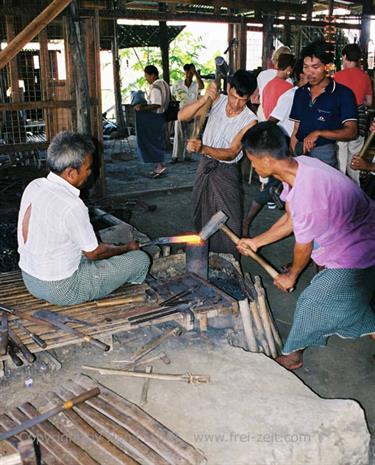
[366,145]
[261,261]
[200,119]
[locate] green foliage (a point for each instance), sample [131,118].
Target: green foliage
[186,48]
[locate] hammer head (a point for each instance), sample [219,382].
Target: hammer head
[213,225]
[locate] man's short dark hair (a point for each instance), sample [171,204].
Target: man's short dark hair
[266,138]
[187,66]
[285,60]
[243,82]
[318,49]
[352,52]
[151,69]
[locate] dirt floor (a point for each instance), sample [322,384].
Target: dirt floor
[344,369]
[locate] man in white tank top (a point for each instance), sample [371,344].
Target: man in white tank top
[217,182]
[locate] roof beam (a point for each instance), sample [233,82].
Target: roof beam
[148,15]
[32,30]
[248,5]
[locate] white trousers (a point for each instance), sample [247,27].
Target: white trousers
[182,132]
[346,151]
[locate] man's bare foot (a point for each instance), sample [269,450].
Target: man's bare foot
[291,361]
[372,336]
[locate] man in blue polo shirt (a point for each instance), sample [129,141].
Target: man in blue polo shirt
[323,111]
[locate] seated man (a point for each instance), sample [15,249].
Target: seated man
[333,223]
[60,258]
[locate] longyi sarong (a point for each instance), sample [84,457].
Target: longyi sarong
[336,302]
[94,279]
[150,130]
[217,187]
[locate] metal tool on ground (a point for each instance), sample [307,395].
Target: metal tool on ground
[146,385]
[59,320]
[12,352]
[218,222]
[21,346]
[24,315]
[37,339]
[151,345]
[183,309]
[4,334]
[185,377]
[50,413]
[162,356]
[172,300]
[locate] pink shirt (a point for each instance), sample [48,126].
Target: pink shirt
[330,209]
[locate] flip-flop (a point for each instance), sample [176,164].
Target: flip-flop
[160,174]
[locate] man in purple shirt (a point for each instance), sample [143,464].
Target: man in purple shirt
[333,222]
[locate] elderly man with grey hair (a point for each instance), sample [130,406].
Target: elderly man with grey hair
[60,257]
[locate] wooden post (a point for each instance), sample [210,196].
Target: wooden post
[287,37]
[117,82]
[45,74]
[242,44]
[164,47]
[365,30]
[76,45]
[231,47]
[13,68]
[267,40]
[32,30]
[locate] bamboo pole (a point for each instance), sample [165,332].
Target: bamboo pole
[247,325]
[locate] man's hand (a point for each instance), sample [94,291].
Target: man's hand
[285,281]
[361,164]
[246,245]
[211,91]
[132,245]
[194,145]
[138,107]
[309,142]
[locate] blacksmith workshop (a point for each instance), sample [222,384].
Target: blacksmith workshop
[187,232]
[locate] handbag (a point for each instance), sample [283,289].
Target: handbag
[172,110]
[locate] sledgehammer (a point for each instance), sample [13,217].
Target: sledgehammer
[218,222]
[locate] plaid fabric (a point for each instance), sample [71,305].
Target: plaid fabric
[92,280]
[217,187]
[336,302]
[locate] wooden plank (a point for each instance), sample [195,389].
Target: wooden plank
[53,439]
[32,30]
[131,424]
[73,426]
[158,429]
[119,436]
[49,458]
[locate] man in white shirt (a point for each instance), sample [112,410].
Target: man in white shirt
[185,91]
[60,258]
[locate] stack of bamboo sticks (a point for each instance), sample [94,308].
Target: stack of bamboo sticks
[261,333]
